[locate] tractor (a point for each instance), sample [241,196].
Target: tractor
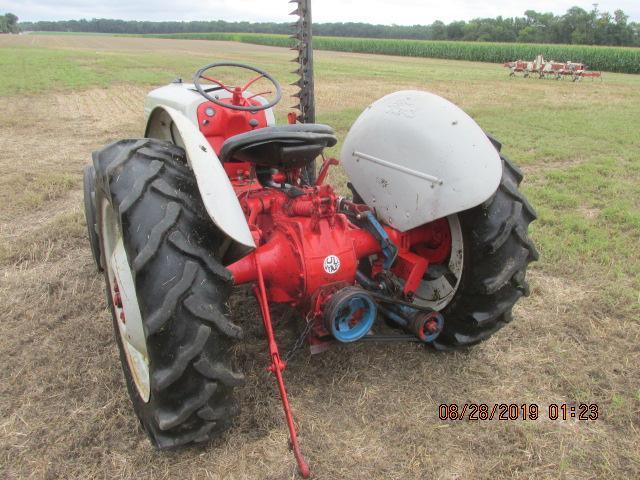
[431,245]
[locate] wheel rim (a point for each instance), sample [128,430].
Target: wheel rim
[125,302]
[438,293]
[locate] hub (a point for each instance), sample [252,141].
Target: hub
[349,314]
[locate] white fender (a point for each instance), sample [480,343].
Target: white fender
[218,196]
[415,157]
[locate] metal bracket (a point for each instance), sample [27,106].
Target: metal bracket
[373,226]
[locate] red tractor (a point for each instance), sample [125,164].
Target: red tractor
[432,242]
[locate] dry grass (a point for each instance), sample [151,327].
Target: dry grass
[365,412]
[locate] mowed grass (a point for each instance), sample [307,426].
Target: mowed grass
[576,338]
[611,59]
[24,70]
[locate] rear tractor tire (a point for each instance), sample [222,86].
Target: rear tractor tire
[89,187]
[166,290]
[485,277]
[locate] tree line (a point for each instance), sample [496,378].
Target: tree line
[9,23]
[576,26]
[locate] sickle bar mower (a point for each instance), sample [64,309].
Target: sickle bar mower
[430,247]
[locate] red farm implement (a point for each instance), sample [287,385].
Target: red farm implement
[541,68]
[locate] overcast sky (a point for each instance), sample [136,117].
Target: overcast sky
[402,12]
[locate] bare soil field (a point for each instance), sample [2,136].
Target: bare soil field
[364,411]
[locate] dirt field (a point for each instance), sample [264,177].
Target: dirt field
[364,412]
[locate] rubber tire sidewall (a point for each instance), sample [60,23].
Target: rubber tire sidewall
[89,200]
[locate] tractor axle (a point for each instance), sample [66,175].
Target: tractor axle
[310,239]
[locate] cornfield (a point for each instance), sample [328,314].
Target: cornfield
[610,59]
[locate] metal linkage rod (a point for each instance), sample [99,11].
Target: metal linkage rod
[277,367]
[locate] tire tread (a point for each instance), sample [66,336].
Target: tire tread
[189,337]
[500,251]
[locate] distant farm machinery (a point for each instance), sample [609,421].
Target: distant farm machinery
[551,69]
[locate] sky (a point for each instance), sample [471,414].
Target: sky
[401,12]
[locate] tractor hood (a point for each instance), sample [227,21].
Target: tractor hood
[415,157]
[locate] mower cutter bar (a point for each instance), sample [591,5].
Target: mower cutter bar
[303,35]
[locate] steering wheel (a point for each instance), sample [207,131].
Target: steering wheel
[238,101]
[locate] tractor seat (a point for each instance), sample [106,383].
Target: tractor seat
[280,146]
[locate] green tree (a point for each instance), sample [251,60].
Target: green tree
[623,32]
[438,30]
[9,23]
[576,26]
[455,30]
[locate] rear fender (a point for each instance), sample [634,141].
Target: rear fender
[415,157]
[218,196]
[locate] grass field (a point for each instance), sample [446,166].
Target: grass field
[610,59]
[365,412]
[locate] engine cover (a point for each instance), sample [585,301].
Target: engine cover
[415,157]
